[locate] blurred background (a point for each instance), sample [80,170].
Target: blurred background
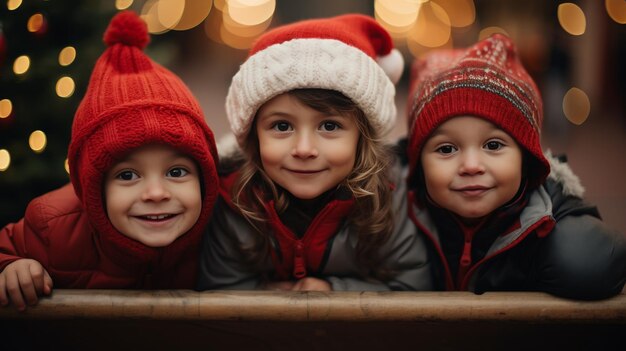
[572,49]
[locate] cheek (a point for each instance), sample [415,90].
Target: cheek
[340,153]
[436,173]
[112,199]
[341,157]
[271,152]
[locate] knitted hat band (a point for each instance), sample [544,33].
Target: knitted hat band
[310,63]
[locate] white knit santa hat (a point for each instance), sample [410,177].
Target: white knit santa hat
[351,54]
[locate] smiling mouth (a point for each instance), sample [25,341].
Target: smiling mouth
[303,171]
[156,218]
[472,191]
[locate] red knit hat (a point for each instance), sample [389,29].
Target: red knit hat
[486,80]
[352,54]
[132,101]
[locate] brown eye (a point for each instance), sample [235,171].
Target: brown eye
[493,145]
[281,126]
[330,126]
[177,172]
[446,149]
[126,175]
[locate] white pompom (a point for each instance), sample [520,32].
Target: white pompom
[392,64]
[227,146]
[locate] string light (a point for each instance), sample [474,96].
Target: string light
[37,141]
[13,4]
[5,160]
[123,4]
[21,64]
[67,56]
[35,22]
[576,106]
[571,18]
[65,87]
[6,107]
[616,10]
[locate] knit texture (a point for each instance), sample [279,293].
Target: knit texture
[486,80]
[340,53]
[132,101]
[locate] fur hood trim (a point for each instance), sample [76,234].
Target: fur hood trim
[563,174]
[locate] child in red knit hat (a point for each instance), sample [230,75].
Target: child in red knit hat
[312,206]
[499,214]
[143,184]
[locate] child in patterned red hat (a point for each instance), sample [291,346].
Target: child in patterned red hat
[499,214]
[143,184]
[313,206]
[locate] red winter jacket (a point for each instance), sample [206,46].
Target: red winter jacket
[56,232]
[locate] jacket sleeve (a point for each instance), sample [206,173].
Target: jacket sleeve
[581,258]
[25,238]
[221,262]
[11,243]
[404,255]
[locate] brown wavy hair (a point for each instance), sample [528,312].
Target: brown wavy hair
[372,218]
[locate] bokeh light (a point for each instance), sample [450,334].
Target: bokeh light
[65,87]
[220,27]
[397,14]
[250,12]
[123,4]
[194,13]
[21,64]
[462,13]
[67,56]
[6,107]
[576,106]
[572,18]
[66,165]
[37,141]
[35,22]
[13,4]
[616,10]
[169,12]
[150,14]
[5,160]
[489,31]
[432,27]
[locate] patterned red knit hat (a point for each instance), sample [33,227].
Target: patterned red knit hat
[351,54]
[132,101]
[486,80]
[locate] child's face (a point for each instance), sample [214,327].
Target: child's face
[303,150]
[153,195]
[471,167]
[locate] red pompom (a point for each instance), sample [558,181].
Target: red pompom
[128,29]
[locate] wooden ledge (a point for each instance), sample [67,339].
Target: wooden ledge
[269,306]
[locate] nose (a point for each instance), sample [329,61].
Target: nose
[155,190]
[471,163]
[305,146]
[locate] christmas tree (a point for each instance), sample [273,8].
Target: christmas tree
[47,51]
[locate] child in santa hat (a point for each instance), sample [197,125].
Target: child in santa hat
[143,184]
[312,206]
[498,213]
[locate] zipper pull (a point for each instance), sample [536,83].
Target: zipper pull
[299,266]
[465,262]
